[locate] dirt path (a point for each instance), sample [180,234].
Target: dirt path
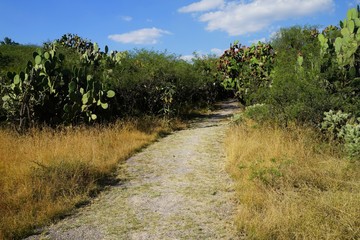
[177,189]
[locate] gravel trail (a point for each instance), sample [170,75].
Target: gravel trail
[177,188]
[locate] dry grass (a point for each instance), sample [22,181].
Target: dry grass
[290,186]
[44,174]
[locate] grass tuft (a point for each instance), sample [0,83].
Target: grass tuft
[47,173]
[290,186]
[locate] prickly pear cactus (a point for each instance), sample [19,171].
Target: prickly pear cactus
[246,69]
[47,92]
[35,94]
[347,45]
[340,52]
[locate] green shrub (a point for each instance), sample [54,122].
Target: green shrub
[237,118]
[340,48]
[260,113]
[297,92]
[150,82]
[14,58]
[333,123]
[247,71]
[352,140]
[47,92]
[340,127]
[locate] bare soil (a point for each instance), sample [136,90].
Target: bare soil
[176,188]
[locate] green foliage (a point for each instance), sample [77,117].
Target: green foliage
[28,93]
[145,82]
[14,58]
[247,70]
[8,41]
[333,123]
[237,118]
[48,92]
[341,55]
[352,140]
[149,82]
[339,126]
[297,92]
[260,113]
[68,82]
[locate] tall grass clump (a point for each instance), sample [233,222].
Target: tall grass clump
[46,173]
[292,186]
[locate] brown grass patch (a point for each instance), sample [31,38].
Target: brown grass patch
[46,173]
[291,186]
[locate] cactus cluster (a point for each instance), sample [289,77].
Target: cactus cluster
[90,52]
[341,60]
[246,69]
[85,95]
[30,93]
[344,128]
[346,46]
[47,92]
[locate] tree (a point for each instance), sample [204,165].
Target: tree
[8,41]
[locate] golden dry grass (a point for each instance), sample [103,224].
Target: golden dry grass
[291,186]
[46,173]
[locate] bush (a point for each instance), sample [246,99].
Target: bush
[340,48]
[333,123]
[260,113]
[297,93]
[247,70]
[150,82]
[352,140]
[340,127]
[14,58]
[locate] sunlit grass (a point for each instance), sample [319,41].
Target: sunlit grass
[291,186]
[46,173]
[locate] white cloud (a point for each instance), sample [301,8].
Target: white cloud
[126,18]
[201,55]
[141,36]
[217,51]
[255,41]
[203,5]
[273,35]
[187,58]
[240,17]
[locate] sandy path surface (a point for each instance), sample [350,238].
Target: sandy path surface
[177,188]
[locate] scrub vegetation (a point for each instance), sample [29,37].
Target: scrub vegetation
[294,152]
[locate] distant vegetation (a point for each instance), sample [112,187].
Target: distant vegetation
[72,81]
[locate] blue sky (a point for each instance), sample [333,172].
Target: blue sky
[178,26]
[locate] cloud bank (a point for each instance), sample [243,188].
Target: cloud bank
[203,5]
[244,17]
[141,36]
